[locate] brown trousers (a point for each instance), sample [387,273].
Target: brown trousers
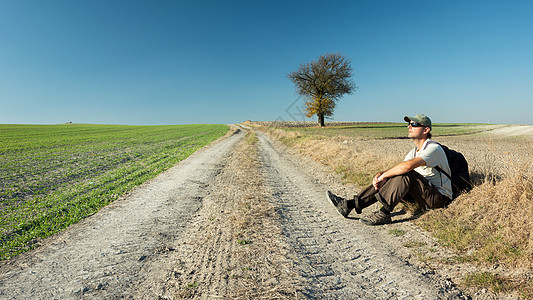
[411,187]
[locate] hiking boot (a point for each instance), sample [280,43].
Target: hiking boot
[340,203]
[378,218]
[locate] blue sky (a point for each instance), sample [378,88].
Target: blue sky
[181,62]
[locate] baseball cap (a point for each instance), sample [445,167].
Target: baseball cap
[420,118]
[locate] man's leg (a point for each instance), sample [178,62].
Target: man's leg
[396,188]
[367,197]
[388,195]
[427,195]
[344,206]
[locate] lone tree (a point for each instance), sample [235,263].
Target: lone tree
[322,83]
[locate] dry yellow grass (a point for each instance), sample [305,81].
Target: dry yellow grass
[492,226]
[493,223]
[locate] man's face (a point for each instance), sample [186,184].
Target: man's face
[417,131]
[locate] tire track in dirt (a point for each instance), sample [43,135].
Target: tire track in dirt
[206,250]
[232,248]
[128,248]
[340,258]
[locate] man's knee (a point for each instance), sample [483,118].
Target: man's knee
[402,180]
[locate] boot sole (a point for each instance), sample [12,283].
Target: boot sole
[370,223]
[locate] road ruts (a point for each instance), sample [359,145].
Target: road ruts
[128,248]
[339,258]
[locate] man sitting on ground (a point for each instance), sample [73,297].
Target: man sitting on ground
[415,179]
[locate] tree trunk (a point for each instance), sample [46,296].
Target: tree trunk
[321,120]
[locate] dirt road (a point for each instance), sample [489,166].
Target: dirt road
[171,238]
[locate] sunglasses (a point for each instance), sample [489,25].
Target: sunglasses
[416,124]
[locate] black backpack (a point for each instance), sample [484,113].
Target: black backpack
[459,168]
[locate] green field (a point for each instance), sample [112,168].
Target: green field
[52,176]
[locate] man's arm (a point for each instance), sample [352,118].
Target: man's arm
[399,169]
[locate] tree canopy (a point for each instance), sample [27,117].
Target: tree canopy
[322,83]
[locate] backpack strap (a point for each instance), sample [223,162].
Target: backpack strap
[442,171]
[436,167]
[439,168]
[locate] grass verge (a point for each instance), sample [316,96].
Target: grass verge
[483,280]
[491,226]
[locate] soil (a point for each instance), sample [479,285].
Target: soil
[517,130]
[178,236]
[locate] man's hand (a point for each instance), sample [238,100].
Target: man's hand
[399,169]
[378,181]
